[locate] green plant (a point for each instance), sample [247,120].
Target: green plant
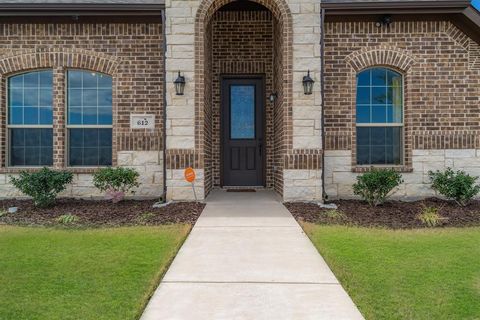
[334,214]
[430,217]
[376,185]
[457,186]
[116,182]
[67,219]
[3,212]
[145,217]
[43,186]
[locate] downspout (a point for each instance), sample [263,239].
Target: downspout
[322,90]
[164,128]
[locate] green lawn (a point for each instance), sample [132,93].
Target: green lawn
[415,274]
[82,274]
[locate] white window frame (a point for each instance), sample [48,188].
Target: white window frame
[24,126]
[378,125]
[82,126]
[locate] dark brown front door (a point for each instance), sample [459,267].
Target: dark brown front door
[242,131]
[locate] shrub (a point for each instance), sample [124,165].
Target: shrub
[457,186]
[430,217]
[376,185]
[116,182]
[43,186]
[67,219]
[334,214]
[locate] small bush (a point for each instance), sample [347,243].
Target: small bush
[430,217]
[334,214]
[3,212]
[116,182]
[376,185]
[43,186]
[457,186]
[67,219]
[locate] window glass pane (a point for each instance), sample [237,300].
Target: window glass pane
[379,95]
[363,95]
[30,98]
[379,77]
[30,115]
[90,147]
[363,114]
[31,80]
[75,79]
[379,145]
[242,112]
[31,147]
[89,98]
[15,115]
[363,78]
[379,114]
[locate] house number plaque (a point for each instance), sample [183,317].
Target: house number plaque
[142,121]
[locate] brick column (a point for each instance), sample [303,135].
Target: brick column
[59,115]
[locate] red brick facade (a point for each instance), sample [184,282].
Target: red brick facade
[131,53]
[441,82]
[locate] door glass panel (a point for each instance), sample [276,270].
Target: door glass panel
[242,112]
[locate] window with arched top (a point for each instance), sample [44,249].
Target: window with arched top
[30,119]
[89,118]
[379,117]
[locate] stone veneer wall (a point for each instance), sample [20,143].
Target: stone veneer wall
[297,22]
[131,53]
[441,98]
[339,177]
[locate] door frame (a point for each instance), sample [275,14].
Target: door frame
[240,76]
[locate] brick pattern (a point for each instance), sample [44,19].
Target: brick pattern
[182,158]
[280,11]
[131,53]
[242,44]
[442,85]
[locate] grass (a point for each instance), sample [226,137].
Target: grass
[82,274]
[414,274]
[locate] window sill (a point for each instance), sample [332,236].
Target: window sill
[14,170]
[363,169]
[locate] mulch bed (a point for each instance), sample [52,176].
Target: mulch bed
[392,215]
[101,213]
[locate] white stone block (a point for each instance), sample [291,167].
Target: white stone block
[460,153]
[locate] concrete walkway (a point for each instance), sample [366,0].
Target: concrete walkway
[247,258]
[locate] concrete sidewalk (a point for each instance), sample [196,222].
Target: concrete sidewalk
[247,258]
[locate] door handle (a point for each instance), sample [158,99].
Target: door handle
[260,147]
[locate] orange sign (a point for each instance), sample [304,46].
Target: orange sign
[189,175]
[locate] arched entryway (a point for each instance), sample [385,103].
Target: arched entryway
[247,46]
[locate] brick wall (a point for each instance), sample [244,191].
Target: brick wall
[441,97]
[442,86]
[131,53]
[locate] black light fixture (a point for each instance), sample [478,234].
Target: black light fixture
[308,84]
[179,84]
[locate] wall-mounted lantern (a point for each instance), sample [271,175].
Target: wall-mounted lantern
[308,84]
[272,97]
[179,84]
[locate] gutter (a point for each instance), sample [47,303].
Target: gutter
[322,90]
[164,128]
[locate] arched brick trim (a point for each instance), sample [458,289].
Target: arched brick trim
[67,58]
[205,11]
[381,56]
[394,59]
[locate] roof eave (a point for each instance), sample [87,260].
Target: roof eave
[90,9]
